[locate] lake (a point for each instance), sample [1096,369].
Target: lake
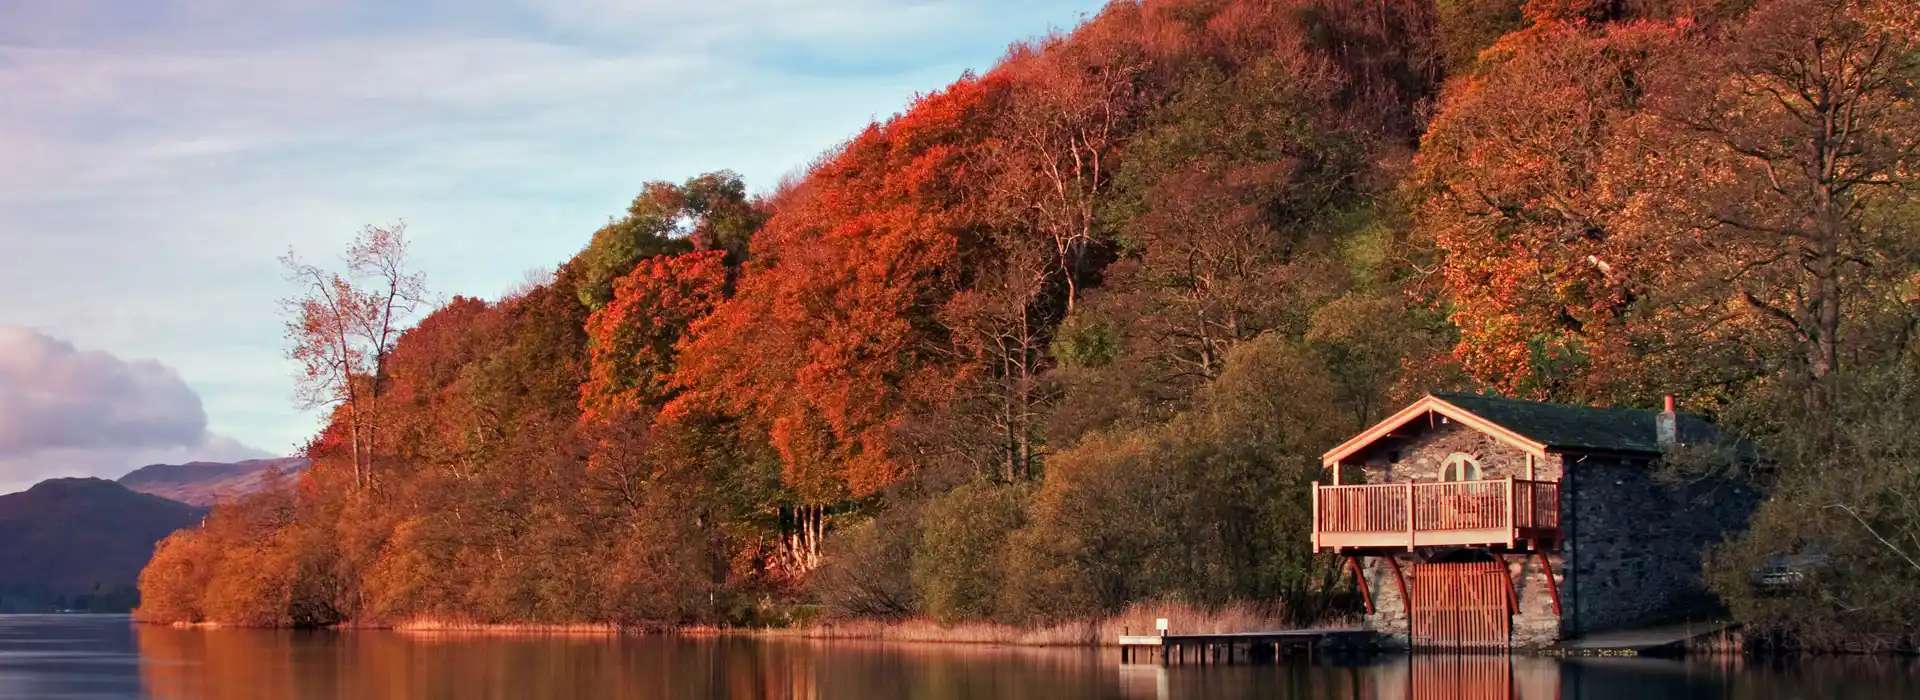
[87,656]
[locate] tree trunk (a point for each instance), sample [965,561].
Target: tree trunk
[353,437]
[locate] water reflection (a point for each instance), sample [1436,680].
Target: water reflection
[1536,678]
[218,665]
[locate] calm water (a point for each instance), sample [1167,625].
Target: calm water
[106,657]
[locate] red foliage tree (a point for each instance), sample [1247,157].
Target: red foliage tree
[632,340]
[831,337]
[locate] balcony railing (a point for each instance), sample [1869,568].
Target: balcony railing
[1454,513]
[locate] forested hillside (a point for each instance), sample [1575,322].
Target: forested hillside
[1072,333]
[80,544]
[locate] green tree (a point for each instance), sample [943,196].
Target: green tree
[708,212]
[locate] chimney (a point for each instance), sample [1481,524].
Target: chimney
[1667,426]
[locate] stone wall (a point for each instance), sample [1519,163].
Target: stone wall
[1420,457]
[1534,622]
[1636,543]
[1389,616]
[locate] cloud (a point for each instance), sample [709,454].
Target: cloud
[67,411]
[53,395]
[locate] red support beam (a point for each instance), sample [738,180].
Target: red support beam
[1360,579]
[1553,587]
[1406,601]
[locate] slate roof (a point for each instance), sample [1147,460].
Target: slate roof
[1568,427]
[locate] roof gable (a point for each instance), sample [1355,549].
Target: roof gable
[1536,427]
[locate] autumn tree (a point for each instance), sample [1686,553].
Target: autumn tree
[1230,210]
[342,326]
[1628,209]
[1043,173]
[1506,184]
[707,212]
[834,320]
[633,338]
[1001,326]
[1071,106]
[1773,173]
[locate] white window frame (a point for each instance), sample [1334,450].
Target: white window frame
[1458,464]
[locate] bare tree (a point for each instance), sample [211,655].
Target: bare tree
[342,326]
[1002,324]
[1070,111]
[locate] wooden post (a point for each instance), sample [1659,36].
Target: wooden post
[1410,525]
[1513,528]
[1316,517]
[1530,466]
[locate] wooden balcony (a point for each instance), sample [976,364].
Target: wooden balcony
[1497,512]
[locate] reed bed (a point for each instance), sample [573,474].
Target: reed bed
[1138,619]
[583,629]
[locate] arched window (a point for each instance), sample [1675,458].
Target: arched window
[1460,466]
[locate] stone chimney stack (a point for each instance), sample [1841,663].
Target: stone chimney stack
[1667,426]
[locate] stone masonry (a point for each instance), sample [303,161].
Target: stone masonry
[1639,542]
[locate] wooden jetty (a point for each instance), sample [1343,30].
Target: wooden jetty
[1231,648]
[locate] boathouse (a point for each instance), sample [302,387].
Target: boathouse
[1476,521]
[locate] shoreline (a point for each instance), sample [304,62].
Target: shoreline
[1088,635]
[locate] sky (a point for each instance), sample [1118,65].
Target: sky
[158,156]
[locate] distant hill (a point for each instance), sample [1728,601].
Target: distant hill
[204,483]
[80,543]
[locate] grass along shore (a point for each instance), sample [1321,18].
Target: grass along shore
[1138,619]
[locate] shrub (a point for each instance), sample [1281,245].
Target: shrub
[961,560]
[861,575]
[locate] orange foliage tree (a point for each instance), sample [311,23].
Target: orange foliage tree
[831,336]
[632,339]
[1630,208]
[1529,270]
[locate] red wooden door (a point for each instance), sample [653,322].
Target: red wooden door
[1462,606]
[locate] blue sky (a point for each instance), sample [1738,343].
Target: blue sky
[156,156]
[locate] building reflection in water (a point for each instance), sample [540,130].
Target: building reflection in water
[268,665]
[1490,677]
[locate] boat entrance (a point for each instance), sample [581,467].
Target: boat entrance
[1461,606]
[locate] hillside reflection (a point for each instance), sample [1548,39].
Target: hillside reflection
[235,664]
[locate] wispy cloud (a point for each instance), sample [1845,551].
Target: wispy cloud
[155,157]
